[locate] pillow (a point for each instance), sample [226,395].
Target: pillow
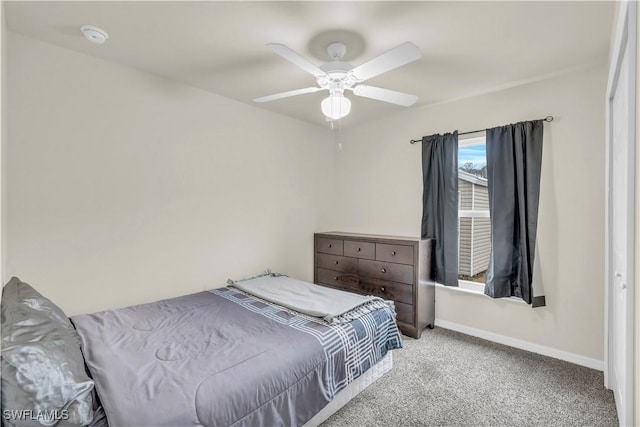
[44,381]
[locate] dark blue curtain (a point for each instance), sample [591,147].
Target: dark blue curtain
[440,203]
[514,159]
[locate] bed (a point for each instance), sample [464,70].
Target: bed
[232,357]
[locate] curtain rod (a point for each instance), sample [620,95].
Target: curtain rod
[546,119]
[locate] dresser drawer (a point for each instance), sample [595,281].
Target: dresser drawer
[391,267]
[329,246]
[388,290]
[404,312]
[337,263]
[394,253]
[386,270]
[337,279]
[359,249]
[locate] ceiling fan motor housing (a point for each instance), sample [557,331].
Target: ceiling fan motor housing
[336,51]
[336,72]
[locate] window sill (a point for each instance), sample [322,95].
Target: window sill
[474,288]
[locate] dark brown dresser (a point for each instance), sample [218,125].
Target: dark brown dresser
[393,268]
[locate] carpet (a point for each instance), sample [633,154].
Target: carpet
[448,378]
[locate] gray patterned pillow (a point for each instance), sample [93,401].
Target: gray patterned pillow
[44,381]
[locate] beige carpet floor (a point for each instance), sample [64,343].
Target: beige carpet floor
[451,379]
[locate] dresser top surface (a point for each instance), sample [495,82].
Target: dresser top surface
[338,234]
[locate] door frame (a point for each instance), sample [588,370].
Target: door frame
[625,39]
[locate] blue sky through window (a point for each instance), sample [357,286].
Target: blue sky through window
[476,154]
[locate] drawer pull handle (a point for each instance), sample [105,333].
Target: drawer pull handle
[384,270]
[382,288]
[335,278]
[393,253]
[330,245]
[359,249]
[335,262]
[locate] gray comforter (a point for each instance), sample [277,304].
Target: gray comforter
[225,358]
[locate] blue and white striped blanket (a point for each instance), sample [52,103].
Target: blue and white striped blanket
[350,348]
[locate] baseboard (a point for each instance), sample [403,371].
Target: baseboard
[523,345]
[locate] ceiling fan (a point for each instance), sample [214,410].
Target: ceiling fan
[338,76]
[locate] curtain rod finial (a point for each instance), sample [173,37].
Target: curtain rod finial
[548,119]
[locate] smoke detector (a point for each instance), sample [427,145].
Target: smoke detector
[94,34]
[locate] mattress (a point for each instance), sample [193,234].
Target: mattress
[225,358]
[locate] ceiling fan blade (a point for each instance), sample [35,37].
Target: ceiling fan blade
[292,56]
[394,58]
[287,94]
[386,95]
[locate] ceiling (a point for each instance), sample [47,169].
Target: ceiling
[467,47]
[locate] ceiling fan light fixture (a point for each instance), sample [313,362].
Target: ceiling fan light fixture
[336,106]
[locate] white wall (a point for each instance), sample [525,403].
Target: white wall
[4,136]
[125,187]
[380,191]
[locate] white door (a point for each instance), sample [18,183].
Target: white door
[621,135]
[620,238]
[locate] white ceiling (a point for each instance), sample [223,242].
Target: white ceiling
[467,47]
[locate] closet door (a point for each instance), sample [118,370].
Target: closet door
[621,130]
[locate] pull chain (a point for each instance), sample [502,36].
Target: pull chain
[337,132]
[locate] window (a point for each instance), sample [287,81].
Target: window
[474,241]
